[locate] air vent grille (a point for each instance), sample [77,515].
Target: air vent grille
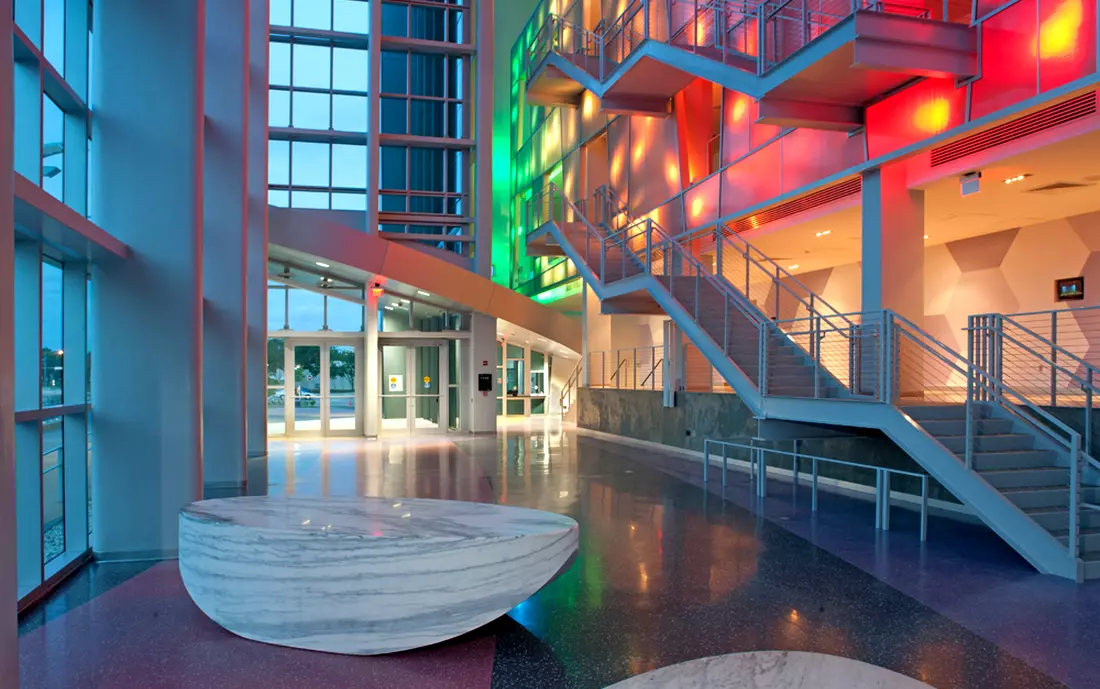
[1058,114]
[818,198]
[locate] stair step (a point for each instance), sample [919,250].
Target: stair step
[946,427]
[1089,539]
[989,442]
[1013,459]
[944,412]
[1055,518]
[1015,478]
[1028,497]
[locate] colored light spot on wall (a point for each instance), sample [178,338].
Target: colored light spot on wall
[933,116]
[740,107]
[1059,32]
[673,173]
[589,105]
[697,207]
[700,33]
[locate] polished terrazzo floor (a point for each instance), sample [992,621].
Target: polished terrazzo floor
[666,573]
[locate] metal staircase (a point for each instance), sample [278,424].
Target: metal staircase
[789,355]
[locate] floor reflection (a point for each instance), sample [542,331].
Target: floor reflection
[663,574]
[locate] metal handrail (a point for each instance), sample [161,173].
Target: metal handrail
[652,372]
[665,240]
[618,368]
[758,470]
[990,354]
[981,387]
[570,383]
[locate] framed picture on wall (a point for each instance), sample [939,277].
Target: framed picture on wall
[1069,289]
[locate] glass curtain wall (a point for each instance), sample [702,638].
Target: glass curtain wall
[52,361]
[321,100]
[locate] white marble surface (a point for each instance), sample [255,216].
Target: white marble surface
[365,575]
[771,670]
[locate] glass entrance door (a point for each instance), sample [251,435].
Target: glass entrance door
[323,398]
[414,376]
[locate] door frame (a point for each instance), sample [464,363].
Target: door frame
[444,384]
[325,344]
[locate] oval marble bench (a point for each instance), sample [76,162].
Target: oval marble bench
[365,575]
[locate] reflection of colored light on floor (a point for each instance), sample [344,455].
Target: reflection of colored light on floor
[1058,33]
[933,116]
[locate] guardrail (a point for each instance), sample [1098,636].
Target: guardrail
[758,474]
[638,368]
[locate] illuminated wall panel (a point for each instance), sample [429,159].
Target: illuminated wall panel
[753,180]
[1067,41]
[737,110]
[807,155]
[701,202]
[930,107]
[618,143]
[1007,59]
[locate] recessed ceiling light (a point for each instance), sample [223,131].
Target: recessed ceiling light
[1017,178]
[404,301]
[389,308]
[542,339]
[323,265]
[794,267]
[422,293]
[823,233]
[926,236]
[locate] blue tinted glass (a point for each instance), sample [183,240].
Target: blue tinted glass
[307,310]
[280,12]
[53,33]
[349,69]
[349,113]
[310,166]
[349,166]
[312,66]
[344,316]
[53,144]
[311,110]
[279,71]
[313,14]
[352,16]
[308,199]
[278,108]
[394,72]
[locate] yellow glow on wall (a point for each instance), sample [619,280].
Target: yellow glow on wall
[739,108]
[697,207]
[673,173]
[933,116]
[1058,34]
[588,104]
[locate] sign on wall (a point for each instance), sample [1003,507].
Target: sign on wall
[397,383]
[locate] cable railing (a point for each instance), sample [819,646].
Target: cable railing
[751,34]
[637,368]
[910,353]
[1047,373]
[578,45]
[569,390]
[843,358]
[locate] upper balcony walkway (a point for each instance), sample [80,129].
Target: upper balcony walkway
[811,64]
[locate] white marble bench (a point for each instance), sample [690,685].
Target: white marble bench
[365,575]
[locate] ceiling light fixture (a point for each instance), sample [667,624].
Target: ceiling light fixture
[926,236]
[1017,178]
[823,233]
[323,265]
[794,267]
[422,293]
[389,308]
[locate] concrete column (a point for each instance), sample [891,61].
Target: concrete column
[9,645]
[372,389]
[597,339]
[224,244]
[482,409]
[256,289]
[147,376]
[483,106]
[893,260]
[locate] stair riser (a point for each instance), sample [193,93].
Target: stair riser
[953,412]
[1060,520]
[1035,459]
[1090,543]
[1092,569]
[989,443]
[1040,498]
[1035,477]
[981,427]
